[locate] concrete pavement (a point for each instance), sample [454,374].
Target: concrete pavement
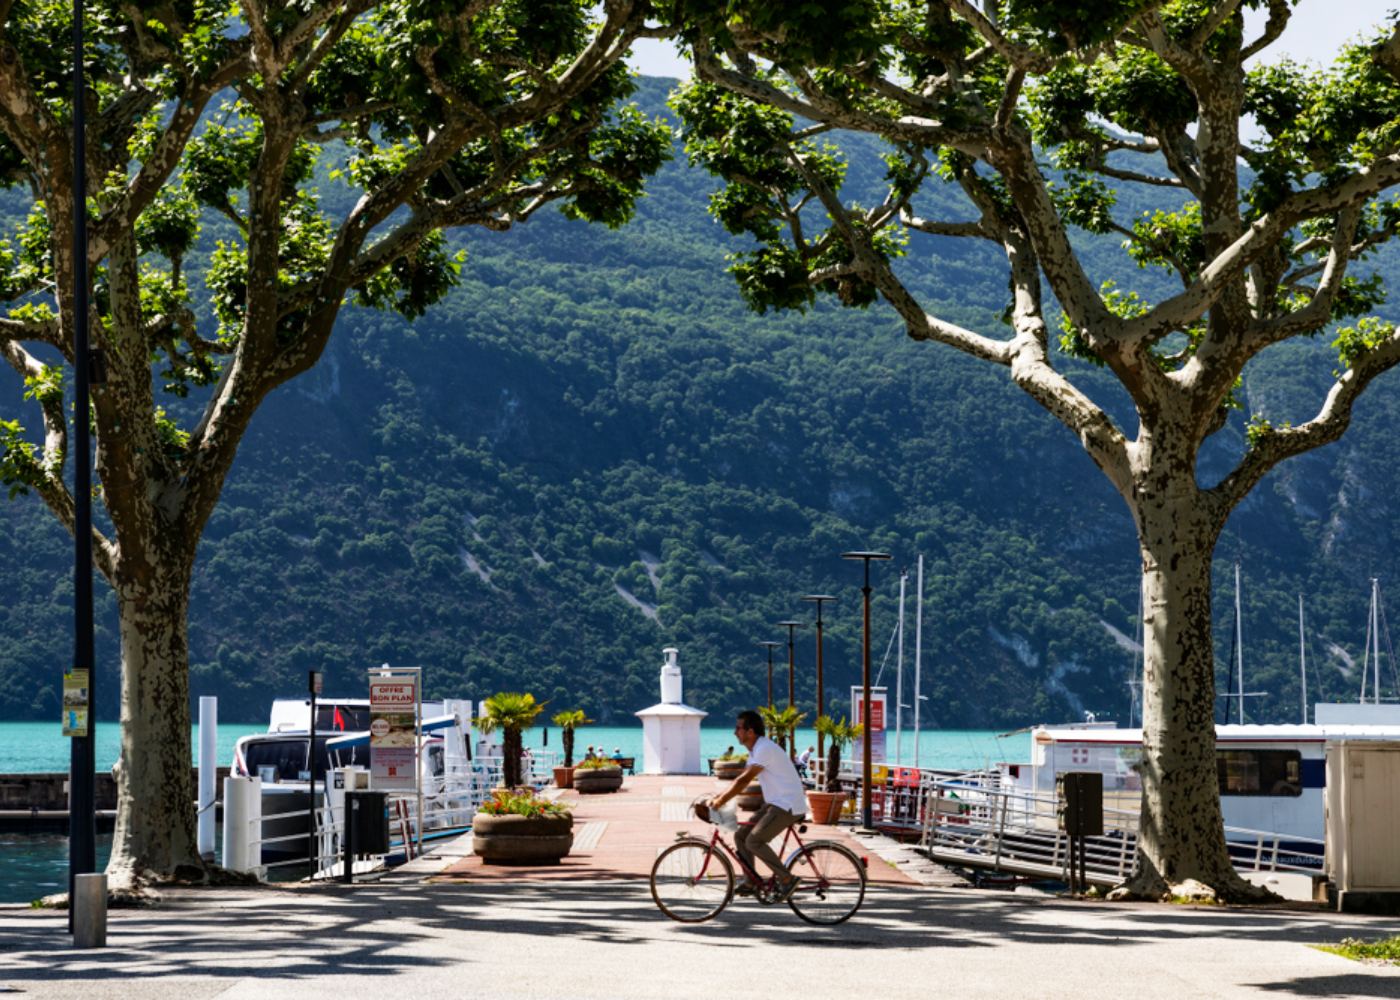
[445,926]
[606,940]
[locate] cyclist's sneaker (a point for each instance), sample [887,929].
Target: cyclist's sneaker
[745,889]
[787,887]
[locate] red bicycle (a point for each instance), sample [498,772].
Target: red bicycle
[693,879]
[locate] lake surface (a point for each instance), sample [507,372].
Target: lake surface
[29,747]
[37,864]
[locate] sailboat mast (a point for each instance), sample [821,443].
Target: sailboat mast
[1303,659]
[1375,640]
[918,652]
[899,678]
[1239,649]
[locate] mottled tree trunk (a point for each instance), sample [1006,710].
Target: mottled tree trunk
[510,757]
[1181,834]
[155,832]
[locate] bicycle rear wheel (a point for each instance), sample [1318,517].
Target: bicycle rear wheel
[832,886]
[692,881]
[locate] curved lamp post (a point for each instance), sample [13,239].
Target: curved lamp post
[770,645]
[867,818]
[818,599]
[792,628]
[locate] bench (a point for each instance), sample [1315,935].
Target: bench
[628,764]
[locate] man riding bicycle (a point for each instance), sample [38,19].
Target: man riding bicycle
[784,800]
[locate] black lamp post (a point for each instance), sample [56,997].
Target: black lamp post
[818,599]
[770,645]
[82,831]
[792,628]
[866,815]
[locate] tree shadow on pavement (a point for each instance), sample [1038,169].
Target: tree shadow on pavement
[387,928]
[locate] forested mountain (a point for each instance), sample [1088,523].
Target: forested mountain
[592,450]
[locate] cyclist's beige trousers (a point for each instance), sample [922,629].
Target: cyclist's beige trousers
[753,841]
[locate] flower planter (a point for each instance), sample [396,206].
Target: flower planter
[563,777]
[593,780]
[521,840]
[751,798]
[728,770]
[826,806]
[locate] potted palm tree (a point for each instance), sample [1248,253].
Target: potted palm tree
[514,828]
[827,802]
[512,714]
[782,724]
[567,722]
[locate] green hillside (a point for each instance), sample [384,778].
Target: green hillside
[592,451]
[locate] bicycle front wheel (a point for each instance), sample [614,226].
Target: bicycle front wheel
[692,881]
[832,886]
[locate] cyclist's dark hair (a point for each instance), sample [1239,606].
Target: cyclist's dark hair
[750,719]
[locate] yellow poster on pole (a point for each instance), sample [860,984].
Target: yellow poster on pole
[75,703]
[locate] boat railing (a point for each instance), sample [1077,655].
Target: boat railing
[1017,830]
[449,801]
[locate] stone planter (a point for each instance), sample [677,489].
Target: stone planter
[521,840]
[592,780]
[728,770]
[826,807]
[563,777]
[751,798]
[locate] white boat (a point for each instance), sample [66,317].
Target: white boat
[283,758]
[1272,777]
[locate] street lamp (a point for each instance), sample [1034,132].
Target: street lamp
[867,817]
[770,645]
[818,599]
[792,628]
[82,834]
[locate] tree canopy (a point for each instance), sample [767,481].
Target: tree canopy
[1036,113]
[208,124]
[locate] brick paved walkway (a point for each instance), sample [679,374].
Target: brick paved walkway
[618,835]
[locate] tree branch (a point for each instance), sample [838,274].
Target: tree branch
[1332,420]
[1183,309]
[1279,13]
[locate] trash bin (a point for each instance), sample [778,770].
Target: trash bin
[367,822]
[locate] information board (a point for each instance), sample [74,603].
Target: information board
[393,728]
[75,703]
[877,722]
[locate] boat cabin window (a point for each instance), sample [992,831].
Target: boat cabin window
[1260,772]
[285,758]
[342,718]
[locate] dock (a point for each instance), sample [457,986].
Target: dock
[617,835]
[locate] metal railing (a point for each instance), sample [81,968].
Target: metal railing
[973,823]
[450,800]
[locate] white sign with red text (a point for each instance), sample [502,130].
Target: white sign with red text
[393,729]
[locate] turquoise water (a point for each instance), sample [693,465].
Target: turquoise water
[37,864]
[27,747]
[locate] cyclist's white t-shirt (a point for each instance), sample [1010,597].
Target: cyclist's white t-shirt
[778,779]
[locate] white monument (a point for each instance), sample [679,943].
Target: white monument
[671,729]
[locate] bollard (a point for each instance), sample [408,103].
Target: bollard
[89,904]
[208,769]
[243,825]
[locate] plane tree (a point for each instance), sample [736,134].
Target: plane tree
[217,133]
[1037,115]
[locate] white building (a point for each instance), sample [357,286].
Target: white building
[671,729]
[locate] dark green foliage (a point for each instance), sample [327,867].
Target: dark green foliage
[589,410]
